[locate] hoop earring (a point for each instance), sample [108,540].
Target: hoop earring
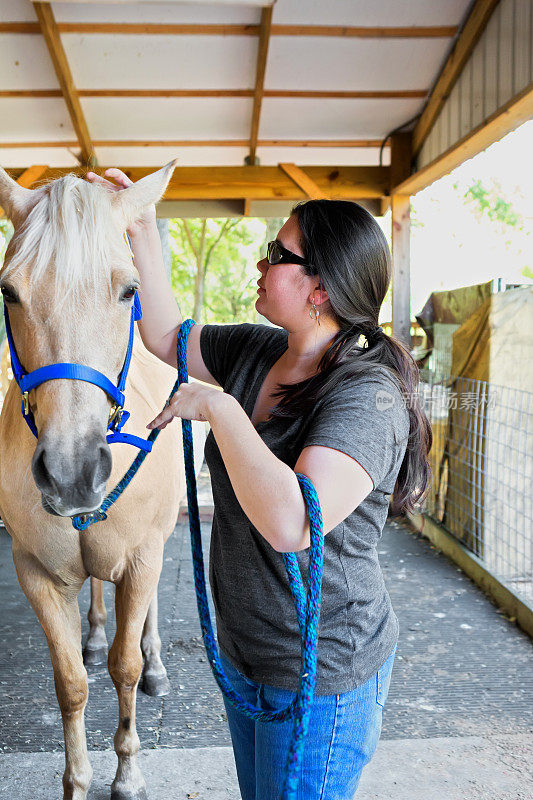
[317,312]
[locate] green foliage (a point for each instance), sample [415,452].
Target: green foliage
[6,231]
[214,273]
[490,202]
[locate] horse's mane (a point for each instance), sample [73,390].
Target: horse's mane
[69,229]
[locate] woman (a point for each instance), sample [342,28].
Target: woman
[324,394]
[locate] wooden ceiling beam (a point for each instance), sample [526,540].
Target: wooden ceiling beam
[52,38]
[303,181]
[506,119]
[394,94]
[257,183]
[305,143]
[31,175]
[165,29]
[476,23]
[262,55]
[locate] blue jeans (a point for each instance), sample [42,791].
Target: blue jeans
[343,733]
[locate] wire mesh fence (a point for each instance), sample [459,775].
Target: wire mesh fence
[482,463]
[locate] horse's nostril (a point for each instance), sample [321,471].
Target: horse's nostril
[41,472]
[103,466]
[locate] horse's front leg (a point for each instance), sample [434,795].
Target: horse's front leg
[154,678]
[95,650]
[56,606]
[132,599]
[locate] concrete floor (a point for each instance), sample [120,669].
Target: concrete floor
[469,768]
[457,724]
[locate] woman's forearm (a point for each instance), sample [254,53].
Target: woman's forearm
[267,489]
[161,314]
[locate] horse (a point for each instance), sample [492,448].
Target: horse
[68,282]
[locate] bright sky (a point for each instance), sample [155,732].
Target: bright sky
[451,245]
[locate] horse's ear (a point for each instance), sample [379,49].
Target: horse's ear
[14,199]
[130,202]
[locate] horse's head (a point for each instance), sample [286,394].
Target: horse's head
[69,282]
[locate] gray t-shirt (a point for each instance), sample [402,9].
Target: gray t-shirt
[256,620]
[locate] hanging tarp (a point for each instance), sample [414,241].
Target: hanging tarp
[488,469]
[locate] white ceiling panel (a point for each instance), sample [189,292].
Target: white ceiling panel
[169,12]
[17,11]
[161,62]
[369,12]
[306,62]
[159,156]
[25,63]
[20,157]
[330,156]
[333,119]
[176,118]
[34,120]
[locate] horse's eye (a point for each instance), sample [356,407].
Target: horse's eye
[9,295]
[129,293]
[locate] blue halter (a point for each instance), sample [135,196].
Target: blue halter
[118,416]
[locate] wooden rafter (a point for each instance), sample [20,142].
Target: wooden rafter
[52,38]
[476,23]
[262,54]
[514,113]
[303,181]
[158,29]
[370,94]
[31,175]
[304,143]
[257,183]
[359,32]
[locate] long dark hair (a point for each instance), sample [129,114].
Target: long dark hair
[352,259]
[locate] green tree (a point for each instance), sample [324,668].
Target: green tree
[213,267]
[6,231]
[490,202]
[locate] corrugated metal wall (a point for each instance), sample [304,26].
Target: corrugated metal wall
[498,69]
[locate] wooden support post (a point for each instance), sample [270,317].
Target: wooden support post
[400,168]
[401,279]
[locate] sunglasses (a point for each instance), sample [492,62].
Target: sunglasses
[277,254]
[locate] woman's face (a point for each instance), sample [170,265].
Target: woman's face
[284,290]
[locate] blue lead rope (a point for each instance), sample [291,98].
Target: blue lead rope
[307,604]
[307,608]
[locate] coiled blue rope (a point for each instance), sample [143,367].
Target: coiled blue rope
[307,608]
[307,604]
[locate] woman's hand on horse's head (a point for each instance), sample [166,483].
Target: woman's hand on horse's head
[122,181]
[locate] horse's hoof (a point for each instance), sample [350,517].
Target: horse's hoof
[123,794]
[155,685]
[94,657]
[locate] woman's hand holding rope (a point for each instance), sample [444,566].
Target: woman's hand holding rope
[191,401]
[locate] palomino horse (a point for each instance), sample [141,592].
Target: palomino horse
[68,283]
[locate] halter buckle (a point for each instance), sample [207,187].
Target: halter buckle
[26,403]
[115,414]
